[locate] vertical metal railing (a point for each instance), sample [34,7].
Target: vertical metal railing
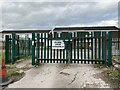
[109,48]
[83,46]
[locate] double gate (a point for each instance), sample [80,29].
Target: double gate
[93,47]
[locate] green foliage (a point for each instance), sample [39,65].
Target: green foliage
[1,56]
[24,58]
[113,75]
[100,66]
[115,57]
[15,73]
[10,66]
[37,64]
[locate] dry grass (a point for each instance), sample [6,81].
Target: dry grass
[115,57]
[2,55]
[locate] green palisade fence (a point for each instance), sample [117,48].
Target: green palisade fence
[33,48]
[16,47]
[80,47]
[93,47]
[109,48]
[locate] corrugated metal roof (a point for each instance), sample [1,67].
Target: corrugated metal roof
[62,29]
[87,28]
[26,31]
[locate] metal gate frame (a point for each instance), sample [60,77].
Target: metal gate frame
[45,54]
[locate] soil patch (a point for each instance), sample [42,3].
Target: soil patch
[103,75]
[17,73]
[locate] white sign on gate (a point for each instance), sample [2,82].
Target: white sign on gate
[58,44]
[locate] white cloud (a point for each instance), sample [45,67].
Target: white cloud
[109,23]
[101,23]
[60,0]
[47,15]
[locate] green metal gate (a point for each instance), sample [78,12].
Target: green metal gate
[80,47]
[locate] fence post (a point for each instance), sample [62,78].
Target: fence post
[104,47]
[45,47]
[109,48]
[28,46]
[38,46]
[13,48]
[18,46]
[7,49]
[33,48]
[25,45]
[84,48]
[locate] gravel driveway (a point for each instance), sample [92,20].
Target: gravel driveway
[61,76]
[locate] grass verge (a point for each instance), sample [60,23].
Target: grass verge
[24,58]
[100,66]
[15,75]
[113,74]
[114,77]
[115,57]
[109,75]
[2,55]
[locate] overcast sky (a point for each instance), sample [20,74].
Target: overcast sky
[47,15]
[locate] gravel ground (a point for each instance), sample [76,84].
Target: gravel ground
[61,76]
